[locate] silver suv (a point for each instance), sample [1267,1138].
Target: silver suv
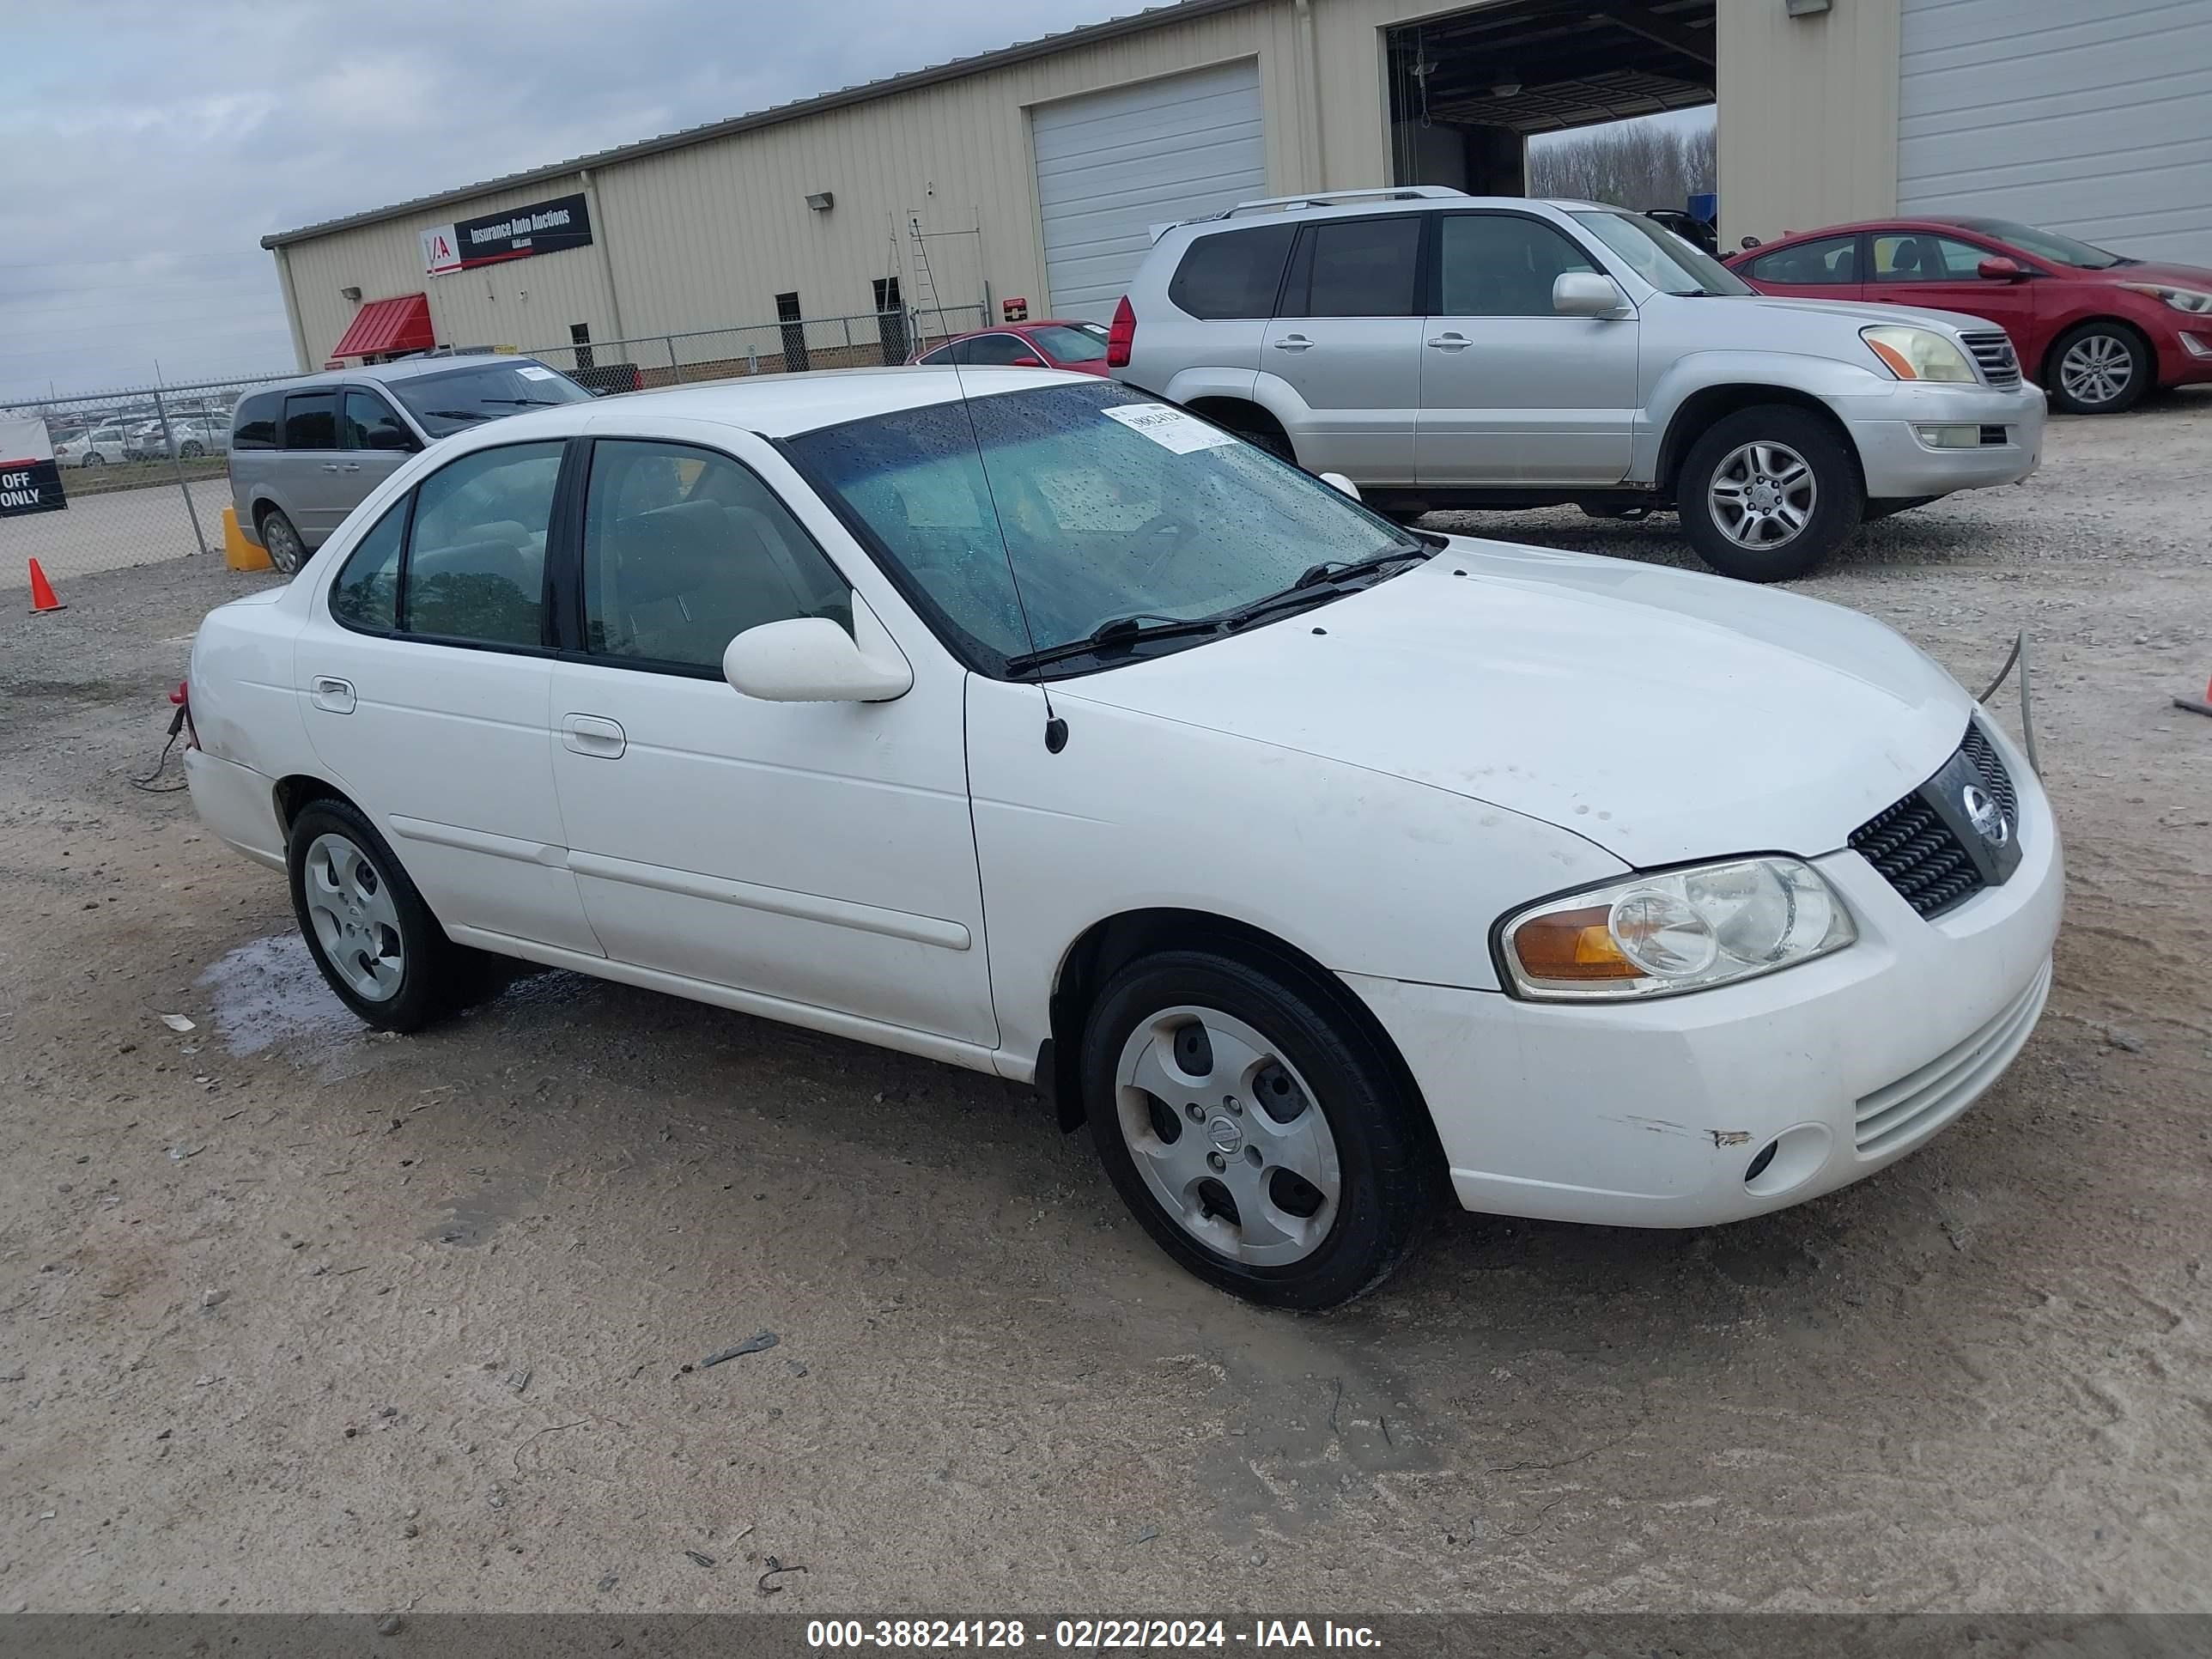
[1447,351]
[306,452]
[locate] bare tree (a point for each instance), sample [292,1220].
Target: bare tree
[1631,164]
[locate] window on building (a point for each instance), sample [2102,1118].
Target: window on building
[887,292]
[579,336]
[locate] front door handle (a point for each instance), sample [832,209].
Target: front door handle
[1293,343]
[593,735]
[332,694]
[349,466]
[1451,342]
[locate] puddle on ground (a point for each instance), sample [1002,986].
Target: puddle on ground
[270,994]
[475,1216]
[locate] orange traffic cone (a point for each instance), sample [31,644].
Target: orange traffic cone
[2193,705]
[42,592]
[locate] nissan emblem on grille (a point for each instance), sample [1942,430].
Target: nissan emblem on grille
[1985,814]
[1952,837]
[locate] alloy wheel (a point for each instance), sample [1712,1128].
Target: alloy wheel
[282,542]
[1228,1137]
[1762,495]
[350,907]
[2097,369]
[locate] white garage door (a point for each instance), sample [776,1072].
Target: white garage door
[1111,165]
[2092,117]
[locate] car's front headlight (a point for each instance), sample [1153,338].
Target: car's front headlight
[2195,302]
[1916,354]
[1679,930]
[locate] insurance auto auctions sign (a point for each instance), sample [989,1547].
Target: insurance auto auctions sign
[29,480]
[541,227]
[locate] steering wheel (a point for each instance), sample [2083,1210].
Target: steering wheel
[1162,536]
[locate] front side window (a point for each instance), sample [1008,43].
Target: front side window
[1356,268]
[366,422]
[1101,503]
[1501,265]
[1917,257]
[365,594]
[685,550]
[1233,273]
[1827,259]
[1000,351]
[476,561]
[1659,257]
[311,421]
[448,403]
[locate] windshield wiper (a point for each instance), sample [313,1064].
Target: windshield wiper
[1320,582]
[523,403]
[1117,633]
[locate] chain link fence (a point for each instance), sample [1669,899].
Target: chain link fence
[145,471]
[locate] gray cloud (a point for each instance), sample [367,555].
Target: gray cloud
[155,144]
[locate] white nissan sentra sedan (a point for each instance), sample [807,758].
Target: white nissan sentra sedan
[1030,724]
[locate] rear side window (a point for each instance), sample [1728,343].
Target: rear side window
[1234,273]
[1356,268]
[476,559]
[1830,259]
[1000,350]
[258,416]
[365,595]
[311,421]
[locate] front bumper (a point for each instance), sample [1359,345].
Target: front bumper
[1884,425]
[2185,355]
[1650,1114]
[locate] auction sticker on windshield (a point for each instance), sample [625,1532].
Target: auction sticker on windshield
[1170,428]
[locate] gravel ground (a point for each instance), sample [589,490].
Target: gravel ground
[292,1318]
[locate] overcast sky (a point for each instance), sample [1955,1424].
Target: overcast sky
[150,146]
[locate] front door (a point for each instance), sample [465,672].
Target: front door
[425,694]
[819,854]
[1915,268]
[373,443]
[1346,341]
[1511,391]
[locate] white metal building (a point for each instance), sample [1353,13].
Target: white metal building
[1030,178]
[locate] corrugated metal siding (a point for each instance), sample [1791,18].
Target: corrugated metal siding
[1809,115]
[2093,119]
[1112,164]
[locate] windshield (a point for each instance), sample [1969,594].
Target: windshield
[445,403]
[1660,256]
[2045,244]
[1110,504]
[1069,345]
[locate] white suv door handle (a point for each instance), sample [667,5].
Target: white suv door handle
[1451,342]
[328,692]
[1293,343]
[330,466]
[593,735]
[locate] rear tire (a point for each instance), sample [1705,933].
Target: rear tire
[287,552]
[191,449]
[366,927]
[1256,1135]
[1767,494]
[2099,368]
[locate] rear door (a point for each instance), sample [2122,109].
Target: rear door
[1511,391]
[306,471]
[1346,342]
[1824,268]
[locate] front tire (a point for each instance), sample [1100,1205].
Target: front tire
[2100,368]
[367,928]
[93,458]
[1255,1133]
[1768,493]
[191,449]
[287,552]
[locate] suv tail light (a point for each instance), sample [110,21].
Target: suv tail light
[1121,336]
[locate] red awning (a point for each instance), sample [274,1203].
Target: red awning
[382,325]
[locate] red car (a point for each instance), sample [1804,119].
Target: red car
[1050,345]
[2096,330]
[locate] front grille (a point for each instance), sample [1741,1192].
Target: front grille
[1924,1100]
[1916,848]
[1993,354]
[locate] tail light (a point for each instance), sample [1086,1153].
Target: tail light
[1121,335]
[181,700]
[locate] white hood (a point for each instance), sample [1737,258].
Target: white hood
[1665,716]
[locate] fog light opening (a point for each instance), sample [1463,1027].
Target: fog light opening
[1788,1161]
[1764,1157]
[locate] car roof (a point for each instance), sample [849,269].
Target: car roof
[785,405]
[1871,225]
[1368,209]
[1011,328]
[407,368]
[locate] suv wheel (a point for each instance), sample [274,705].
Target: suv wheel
[2099,368]
[1264,1144]
[286,550]
[1767,493]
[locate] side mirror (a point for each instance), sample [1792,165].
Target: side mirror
[1338,481]
[1750,242]
[1998,269]
[1586,294]
[811,659]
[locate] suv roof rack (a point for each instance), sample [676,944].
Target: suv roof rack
[1337,197]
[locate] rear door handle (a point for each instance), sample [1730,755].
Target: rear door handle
[1293,343]
[1451,342]
[328,692]
[330,466]
[593,735]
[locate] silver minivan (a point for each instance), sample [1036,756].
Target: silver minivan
[306,452]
